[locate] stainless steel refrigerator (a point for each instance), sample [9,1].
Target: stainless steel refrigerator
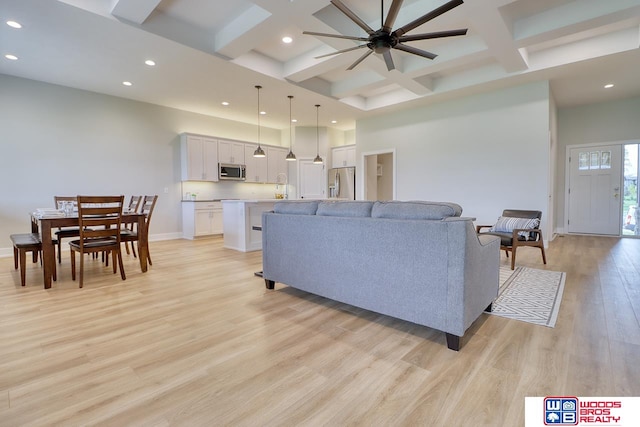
[342,183]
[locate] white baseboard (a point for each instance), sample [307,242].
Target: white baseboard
[165,236]
[8,252]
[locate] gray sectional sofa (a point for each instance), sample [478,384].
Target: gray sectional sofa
[416,261]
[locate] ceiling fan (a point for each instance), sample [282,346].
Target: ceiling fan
[383,40]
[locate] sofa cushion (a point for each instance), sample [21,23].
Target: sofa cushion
[345,208]
[298,207]
[415,210]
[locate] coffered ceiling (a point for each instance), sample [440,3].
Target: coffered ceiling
[210,51]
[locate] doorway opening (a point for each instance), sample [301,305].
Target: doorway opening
[631,192]
[379,175]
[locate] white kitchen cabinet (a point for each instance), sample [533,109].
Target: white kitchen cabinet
[343,156]
[199,158]
[277,164]
[243,223]
[257,167]
[201,219]
[231,152]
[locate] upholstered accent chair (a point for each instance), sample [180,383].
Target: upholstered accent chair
[517,228]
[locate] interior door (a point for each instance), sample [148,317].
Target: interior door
[594,189]
[311,180]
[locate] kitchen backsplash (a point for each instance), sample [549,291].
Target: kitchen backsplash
[227,190]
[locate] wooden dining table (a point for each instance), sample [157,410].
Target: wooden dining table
[44,225]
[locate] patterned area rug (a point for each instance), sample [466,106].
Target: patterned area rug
[530,295]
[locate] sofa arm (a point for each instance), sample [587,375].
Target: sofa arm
[487,239]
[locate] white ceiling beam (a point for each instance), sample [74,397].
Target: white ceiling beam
[490,25]
[136,11]
[579,15]
[240,35]
[360,82]
[581,50]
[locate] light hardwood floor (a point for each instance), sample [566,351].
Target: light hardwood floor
[199,341]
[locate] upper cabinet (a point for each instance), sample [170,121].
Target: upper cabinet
[257,169]
[231,152]
[199,158]
[277,165]
[343,156]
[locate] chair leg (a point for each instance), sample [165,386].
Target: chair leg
[124,277]
[55,272]
[73,263]
[513,257]
[23,267]
[15,257]
[544,257]
[59,250]
[81,270]
[126,246]
[115,266]
[133,249]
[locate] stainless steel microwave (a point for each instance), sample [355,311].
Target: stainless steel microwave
[231,172]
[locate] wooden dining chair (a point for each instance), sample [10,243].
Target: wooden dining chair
[99,220]
[134,206]
[147,206]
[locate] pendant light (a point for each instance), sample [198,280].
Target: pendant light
[259,151]
[318,159]
[290,157]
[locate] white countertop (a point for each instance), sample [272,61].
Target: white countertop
[250,200]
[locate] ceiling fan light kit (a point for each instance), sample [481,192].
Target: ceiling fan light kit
[384,40]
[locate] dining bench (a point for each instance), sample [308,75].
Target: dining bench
[23,243]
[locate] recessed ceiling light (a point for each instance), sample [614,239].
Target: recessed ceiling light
[11,57]
[287,39]
[14,24]
[225,103]
[263,112]
[334,121]
[127,83]
[608,86]
[150,62]
[294,120]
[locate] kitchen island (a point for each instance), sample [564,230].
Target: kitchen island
[242,223]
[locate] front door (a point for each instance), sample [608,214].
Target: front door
[594,189]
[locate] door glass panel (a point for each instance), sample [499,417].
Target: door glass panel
[595,160]
[583,161]
[605,160]
[630,211]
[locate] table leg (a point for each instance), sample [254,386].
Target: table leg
[48,253]
[143,244]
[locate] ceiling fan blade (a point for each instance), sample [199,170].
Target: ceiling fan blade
[435,35]
[362,58]
[389,60]
[415,51]
[428,17]
[336,36]
[342,51]
[344,9]
[393,14]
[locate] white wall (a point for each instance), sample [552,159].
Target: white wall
[486,152]
[609,122]
[57,140]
